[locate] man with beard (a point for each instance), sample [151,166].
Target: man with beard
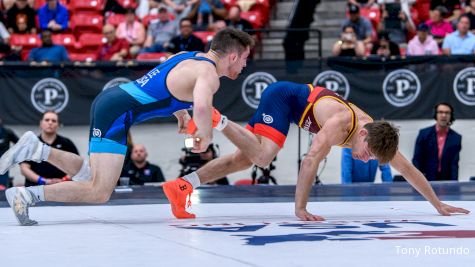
[139,170]
[48,52]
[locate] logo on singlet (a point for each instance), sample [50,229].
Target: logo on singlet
[401,87]
[49,94]
[115,82]
[307,124]
[267,118]
[464,86]
[335,81]
[253,87]
[96,132]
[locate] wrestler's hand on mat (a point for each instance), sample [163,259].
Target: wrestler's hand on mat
[304,215]
[447,210]
[183,121]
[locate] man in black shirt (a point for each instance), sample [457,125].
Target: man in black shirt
[21,18]
[234,19]
[7,136]
[139,170]
[45,173]
[186,41]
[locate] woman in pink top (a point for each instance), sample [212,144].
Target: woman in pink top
[439,28]
[133,31]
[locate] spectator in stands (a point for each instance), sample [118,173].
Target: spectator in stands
[451,7]
[362,26]
[45,173]
[439,28]
[186,41]
[396,22]
[215,27]
[357,171]
[7,136]
[348,45]
[160,32]
[48,52]
[218,12]
[133,31]
[53,16]
[21,18]
[4,40]
[437,149]
[462,41]
[422,43]
[362,3]
[384,47]
[180,8]
[471,16]
[112,6]
[114,49]
[139,170]
[235,20]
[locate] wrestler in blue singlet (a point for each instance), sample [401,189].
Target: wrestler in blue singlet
[117,108]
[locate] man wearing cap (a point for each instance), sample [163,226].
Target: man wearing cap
[160,32]
[422,43]
[361,25]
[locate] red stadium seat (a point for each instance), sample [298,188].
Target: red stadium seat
[115,19]
[83,56]
[83,22]
[146,20]
[243,182]
[254,17]
[40,3]
[152,57]
[27,41]
[205,37]
[127,3]
[89,42]
[86,5]
[66,39]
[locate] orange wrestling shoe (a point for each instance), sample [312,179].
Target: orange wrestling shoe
[176,192]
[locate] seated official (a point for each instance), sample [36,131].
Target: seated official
[139,170]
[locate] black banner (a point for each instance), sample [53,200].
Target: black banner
[401,88]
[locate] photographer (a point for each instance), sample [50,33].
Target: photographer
[190,162]
[384,47]
[348,45]
[265,178]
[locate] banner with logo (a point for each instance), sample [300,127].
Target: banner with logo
[391,89]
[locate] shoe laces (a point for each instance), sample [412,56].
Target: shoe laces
[189,201]
[20,206]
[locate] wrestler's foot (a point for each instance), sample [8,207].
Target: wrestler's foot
[176,192]
[20,200]
[29,147]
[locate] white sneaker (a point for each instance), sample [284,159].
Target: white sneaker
[20,200]
[29,147]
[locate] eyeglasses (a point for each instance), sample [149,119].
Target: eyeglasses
[186,25]
[444,112]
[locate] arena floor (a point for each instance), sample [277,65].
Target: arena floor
[251,232]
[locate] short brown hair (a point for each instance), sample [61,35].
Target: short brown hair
[229,40]
[50,111]
[383,140]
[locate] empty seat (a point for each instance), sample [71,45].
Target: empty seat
[66,39]
[25,40]
[84,22]
[83,57]
[86,5]
[205,37]
[115,19]
[127,3]
[254,17]
[89,42]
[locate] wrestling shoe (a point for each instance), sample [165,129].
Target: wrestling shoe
[177,191]
[29,147]
[20,200]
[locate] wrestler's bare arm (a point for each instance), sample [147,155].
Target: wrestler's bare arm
[332,133]
[419,182]
[206,85]
[183,118]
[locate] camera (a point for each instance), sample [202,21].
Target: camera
[266,177]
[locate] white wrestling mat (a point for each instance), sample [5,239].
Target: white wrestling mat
[258,234]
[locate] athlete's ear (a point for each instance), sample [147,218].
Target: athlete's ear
[363,132]
[233,57]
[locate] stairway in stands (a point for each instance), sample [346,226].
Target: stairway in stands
[328,17]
